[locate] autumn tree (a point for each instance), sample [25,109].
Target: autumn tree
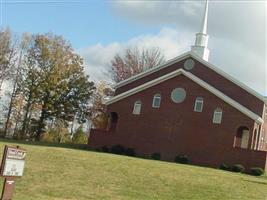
[134,61]
[56,81]
[16,100]
[98,108]
[8,52]
[131,62]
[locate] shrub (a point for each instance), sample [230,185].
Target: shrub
[183,159]
[79,137]
[256,171]
[105,149]
[238,168]
[59,133]
[223,166]
[98,150]
[46,137]
[156,156]
[130,152]
[117,149]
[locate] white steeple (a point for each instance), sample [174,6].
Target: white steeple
[201,44]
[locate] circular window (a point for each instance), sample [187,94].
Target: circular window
[178,95]
[189,64]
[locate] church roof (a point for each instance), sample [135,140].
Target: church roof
[197,80]
[207,64]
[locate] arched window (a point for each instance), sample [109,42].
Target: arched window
[156,101]
[217,116]
[198,104]
[242,138]
[137,108]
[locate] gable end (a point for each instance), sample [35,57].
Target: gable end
[200,82]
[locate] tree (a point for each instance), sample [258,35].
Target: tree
[130,63]
[56,81]
[58,133]
[16,80]
[7,55]
[99,116]
[134,61]
[30,85]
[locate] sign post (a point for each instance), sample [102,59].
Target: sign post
[12,166]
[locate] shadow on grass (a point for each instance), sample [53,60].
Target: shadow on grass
[48,144]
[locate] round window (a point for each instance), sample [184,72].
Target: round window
[178,95]
[189,64]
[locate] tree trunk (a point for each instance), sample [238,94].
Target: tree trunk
[13,96]
[41,124]
[25,120]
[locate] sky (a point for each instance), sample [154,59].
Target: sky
[99,29]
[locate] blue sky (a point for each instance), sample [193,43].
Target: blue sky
[81,22]
[99,29]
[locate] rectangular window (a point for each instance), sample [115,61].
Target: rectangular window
[198,105]
[156,102]
[137,108]
[217,117]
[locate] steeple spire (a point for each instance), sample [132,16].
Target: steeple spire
[205,19]
[201,44]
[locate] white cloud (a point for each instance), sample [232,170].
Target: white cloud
[244,64]
[98,57]
[158,12]
[241,21]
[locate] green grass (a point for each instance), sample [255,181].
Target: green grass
[59,173]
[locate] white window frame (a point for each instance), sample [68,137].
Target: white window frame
[156,96]
[217,116]
[201,101]
[137,107]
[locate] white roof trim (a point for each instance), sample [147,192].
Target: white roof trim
[152,70]
[209,65]
[194,78]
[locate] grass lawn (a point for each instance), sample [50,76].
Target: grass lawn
[59,173]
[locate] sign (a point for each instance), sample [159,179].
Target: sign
[13,162]
[12,166]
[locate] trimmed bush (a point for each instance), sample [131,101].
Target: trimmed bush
[183,159]
[238,168]
[223,166]
[117,149]
[256,171]
[105,149]
[130,152]
[156,156]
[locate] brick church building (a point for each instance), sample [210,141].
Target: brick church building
[187,106]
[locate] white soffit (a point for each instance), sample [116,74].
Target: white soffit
[194,78]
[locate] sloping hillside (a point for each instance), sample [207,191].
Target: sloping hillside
[63,173]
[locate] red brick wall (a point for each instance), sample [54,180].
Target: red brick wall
[212,78]
[176,129]
[246,157]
